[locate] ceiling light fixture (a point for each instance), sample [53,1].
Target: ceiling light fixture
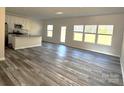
[59,13]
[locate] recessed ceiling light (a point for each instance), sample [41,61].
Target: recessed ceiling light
[59,13]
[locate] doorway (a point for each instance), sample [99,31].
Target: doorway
[63,34]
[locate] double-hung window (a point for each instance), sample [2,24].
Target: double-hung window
[90,33]
[78,32]
[105,33]
[49,30]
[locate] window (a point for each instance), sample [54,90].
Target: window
[105,33]
[104,39]
[78,28]
[78,36]
[49,30]
[105,29]
[78,33]
[49,33]
[90,33]
[90,38]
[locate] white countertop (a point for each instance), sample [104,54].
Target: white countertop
[26,35]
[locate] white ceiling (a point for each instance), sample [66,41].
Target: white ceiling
[50,12]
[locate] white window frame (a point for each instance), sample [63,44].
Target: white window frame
[90,33]
[97,34]
[81,32]
[49,30]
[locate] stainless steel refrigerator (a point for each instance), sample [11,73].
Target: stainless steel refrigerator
[6,34]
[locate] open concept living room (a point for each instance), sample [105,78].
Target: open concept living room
[61,46]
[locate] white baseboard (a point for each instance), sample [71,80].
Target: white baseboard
[2,59]
[110,54]
[122,69]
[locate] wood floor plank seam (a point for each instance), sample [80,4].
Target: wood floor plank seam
[59,65]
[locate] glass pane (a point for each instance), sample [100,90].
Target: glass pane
[63,28]
[78,28]
[90,28]
[49,33]
[78,36]
[49,27]
[105,29]
[63,34]
[89,38]
[104,39]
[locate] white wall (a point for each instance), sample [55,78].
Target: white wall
[122,58]
[33,26]
[116,20]
[2,32]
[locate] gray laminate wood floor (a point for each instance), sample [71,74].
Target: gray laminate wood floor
[53,64]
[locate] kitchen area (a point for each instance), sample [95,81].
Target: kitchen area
[17,37]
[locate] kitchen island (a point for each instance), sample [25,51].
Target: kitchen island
[26,41]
